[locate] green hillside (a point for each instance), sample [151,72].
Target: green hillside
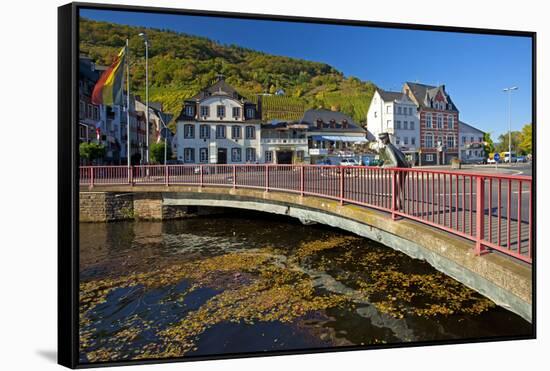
[181,64]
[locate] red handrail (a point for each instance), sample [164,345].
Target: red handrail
[495,215]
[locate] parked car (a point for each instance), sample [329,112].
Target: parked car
[349,162]
[521,159]
[507,157]
[491,161]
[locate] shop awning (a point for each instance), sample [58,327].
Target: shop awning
[335,138]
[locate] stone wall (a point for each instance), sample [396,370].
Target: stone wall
[148,206]
[112,206]
[105,206]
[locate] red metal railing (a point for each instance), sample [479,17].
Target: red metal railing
[494,211]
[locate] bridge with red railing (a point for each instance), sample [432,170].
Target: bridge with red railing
[493,211]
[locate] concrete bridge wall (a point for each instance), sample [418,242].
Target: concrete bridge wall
[505,281]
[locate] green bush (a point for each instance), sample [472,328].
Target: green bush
[156,153]
[91,151]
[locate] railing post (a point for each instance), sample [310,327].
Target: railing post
[201,168]
[341,185]
[234,176]
[480,214]
[302,180]
[266,178]
[394,190]
[91,177]
[166,180]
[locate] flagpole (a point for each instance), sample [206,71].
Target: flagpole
[128,107]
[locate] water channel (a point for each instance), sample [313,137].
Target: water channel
[251,282]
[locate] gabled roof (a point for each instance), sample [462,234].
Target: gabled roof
[311,116]
[423,93]
[468,126]
[220,87]
[388,96]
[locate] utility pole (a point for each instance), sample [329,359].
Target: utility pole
[128,104]
[146,40]
[509,91]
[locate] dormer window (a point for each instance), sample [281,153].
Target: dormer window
[189,111]
[332,123]
[319,123]
[250,113]
[236,112]
[205,111]
[344,123]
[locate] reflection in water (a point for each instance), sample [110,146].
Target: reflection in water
[252,283]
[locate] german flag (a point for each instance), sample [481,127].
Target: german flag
[108,89]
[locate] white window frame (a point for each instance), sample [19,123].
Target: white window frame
[188,131]
[236,112]
[204,131]
[236,154]
[236,132]
[205,111]
[221,132]
[203,155]
[268,157]
[429,157]
[397,125]
[250,132]
[250,154]
[250,112]
[430,143]
[189,155]
[429,120]
[220,111]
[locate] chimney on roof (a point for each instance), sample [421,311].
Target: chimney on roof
[443,87]
[220,77]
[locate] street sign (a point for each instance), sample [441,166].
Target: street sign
[496,157]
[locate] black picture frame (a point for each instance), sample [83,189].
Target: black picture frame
[68,190]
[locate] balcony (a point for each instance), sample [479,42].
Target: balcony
[283,140]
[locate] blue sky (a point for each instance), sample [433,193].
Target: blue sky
[474,68]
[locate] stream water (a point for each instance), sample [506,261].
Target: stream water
[251,282]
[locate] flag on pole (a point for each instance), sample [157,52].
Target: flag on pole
[108,89]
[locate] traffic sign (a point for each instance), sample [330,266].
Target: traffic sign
[496,157]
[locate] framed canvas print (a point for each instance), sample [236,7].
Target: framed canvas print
[235,185]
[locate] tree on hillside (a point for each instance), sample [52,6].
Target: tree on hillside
[526,139]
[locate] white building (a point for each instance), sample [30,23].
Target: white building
[331,133]
[284,143]
[219,126]
[470,143]
[396,114]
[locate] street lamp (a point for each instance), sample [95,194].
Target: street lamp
[509,91]
[146,40]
